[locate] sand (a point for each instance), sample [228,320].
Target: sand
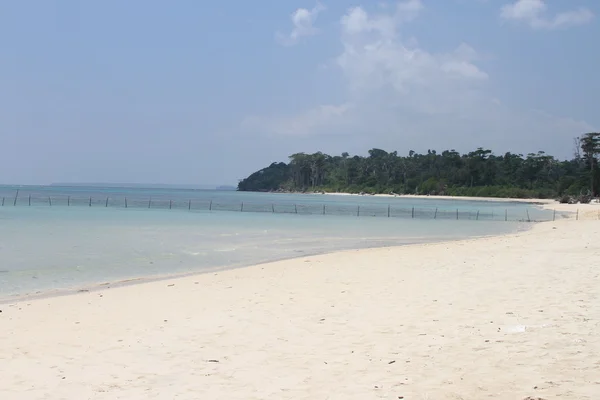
[440,197]
[577,211]
[494,318]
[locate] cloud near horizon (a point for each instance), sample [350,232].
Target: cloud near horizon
[399,95]
[534,14]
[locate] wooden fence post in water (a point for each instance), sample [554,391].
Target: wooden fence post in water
[68,201]
[413,212]
[388,210]
[210,206]
[16,197]
[528,219]
[554,215]
[106,204]
[435,215]
[358,211]
[170,204]
[505,215]
[125,202]
[457,214]
[296,209]
[242,208]
[477,217]
[273,208]
[90,201]
[189,205]
[323,209]
[149,202]
[30,200]
[49,201]
[3,202]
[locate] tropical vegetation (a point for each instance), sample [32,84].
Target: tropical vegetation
[477,173]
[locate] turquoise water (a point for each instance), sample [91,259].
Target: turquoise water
[51,246]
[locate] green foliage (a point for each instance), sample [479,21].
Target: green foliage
[267,179]
[479,173]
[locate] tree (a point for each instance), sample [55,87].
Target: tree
[476,173]
[590,146]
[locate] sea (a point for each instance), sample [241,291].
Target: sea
[60,239]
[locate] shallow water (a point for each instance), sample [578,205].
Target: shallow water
[47,248]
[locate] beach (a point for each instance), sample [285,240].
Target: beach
[502,318]
[455,198]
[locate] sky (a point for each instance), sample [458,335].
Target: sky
[193,92]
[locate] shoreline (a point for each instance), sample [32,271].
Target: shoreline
[432,197]
[503,317]
[140,280]
[457,198]
[583,212]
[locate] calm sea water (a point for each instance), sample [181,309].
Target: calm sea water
[70,238]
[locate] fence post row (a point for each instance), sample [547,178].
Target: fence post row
[323,210]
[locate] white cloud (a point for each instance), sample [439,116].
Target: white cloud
[303,25]
[400,95]
[357,20]
[534,13]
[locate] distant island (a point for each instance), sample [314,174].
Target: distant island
[479,173]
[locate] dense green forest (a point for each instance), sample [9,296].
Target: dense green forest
[477,173]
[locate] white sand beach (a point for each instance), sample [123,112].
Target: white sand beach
[494,318]
[472,198]
[543,202]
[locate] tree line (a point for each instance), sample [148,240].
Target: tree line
[477,173]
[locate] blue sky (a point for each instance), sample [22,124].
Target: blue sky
[192,92]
